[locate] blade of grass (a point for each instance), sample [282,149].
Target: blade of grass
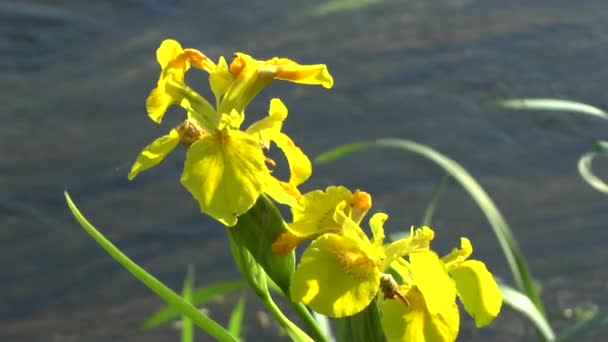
[430,209]
[515,258]
[187,326]
[598,320]
[584,166]
[553,105]
[522,304]
[200,296]
[201,320]
[236,317]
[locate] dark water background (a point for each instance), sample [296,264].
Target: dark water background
[75,75]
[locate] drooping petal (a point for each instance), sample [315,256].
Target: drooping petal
[458,255]
[414,323]
[157,103]
[283,192]
[269,129]
[433,281]
[251,76]
[315,216]
[286,69]
[226,173]
[300,167]
[154,153]
[478,291]
[419,239]
[334,277]
[271,124]
[168,50]
[376,223]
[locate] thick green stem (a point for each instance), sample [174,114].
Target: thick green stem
[310,321]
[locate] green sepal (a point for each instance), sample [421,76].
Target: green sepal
[257,229]
[248,266]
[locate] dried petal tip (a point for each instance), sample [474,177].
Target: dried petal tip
[190,132]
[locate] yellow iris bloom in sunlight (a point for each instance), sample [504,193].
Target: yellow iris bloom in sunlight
[225,168]
[339,274]
[315,215]
[430,315]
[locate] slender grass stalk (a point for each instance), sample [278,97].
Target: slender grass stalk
[201,320]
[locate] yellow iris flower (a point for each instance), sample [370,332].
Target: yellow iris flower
[431,314]
[225,168]
[339,274]
[315,215]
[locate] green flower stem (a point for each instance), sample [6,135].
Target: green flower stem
[293,330]
[310,321]
[203,321]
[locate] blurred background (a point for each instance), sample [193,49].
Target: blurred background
[75,76]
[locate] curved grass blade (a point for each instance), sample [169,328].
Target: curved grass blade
[522,304]
[201,320]
[200,296]
[553,105]
[515,258]
[236,318]
[187,326]
[427,217]
[584,166]
[596,321]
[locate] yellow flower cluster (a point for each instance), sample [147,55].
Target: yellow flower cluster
[342,271]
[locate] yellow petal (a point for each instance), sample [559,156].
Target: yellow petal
[376,223]
[335,278]
[414,323]
[283,192]
[478,291]
[168,50]
[433,281]
[220,79]
[300,167]
[286,69]
[418,240]
[154,153]
[226,173]
[458,255]
[157,103]
[315,216]
[270,124]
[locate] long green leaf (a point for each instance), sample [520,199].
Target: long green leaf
[584,166]
[553,105]
[427,217]
[201,320]
[510,248]
[187,326]
[200,296]
[236,317]
[522,304]
[596,321]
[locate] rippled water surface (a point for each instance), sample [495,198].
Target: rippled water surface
[75,75]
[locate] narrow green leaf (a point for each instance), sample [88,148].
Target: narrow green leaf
[584,166]
[515,258]
[187,326]
[200,296]
[430,209]
[596,321]
[522,304]
[553,105]
[236,317]
[201,320]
